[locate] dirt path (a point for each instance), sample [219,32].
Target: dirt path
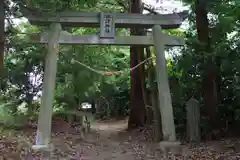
[115,143]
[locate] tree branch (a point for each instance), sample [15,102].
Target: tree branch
[122,5]
[118,2]
[149,9]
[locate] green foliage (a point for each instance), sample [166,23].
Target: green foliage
[188,68]
[10,119]
[76,84]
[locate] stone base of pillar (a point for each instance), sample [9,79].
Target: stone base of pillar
[45,150]
[40,147]
[167,147]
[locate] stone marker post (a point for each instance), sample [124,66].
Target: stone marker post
[193,120]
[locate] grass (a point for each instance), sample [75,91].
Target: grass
[12,120]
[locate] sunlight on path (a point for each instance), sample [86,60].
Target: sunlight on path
[111,125]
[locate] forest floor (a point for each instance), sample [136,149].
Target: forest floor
[109,140]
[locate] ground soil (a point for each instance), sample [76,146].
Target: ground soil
[108,140]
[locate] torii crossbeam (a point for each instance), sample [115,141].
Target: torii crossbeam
[122,20]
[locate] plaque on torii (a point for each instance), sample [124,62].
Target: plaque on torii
[107,25]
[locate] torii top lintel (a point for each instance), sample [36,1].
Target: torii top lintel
[122,20]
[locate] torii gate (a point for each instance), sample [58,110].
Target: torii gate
[107,22]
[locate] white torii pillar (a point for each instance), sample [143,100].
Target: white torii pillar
[50,70]
[164,96]
[165,102]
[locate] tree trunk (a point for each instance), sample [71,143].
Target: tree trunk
[137,108]
[142,57]
[2,16]
[149,96]
[209,78]
[154,98]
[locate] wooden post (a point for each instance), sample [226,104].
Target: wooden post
[45,115]
[193,120]
[165,101]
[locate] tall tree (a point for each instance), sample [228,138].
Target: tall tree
[137,106]
[2,17]
[209,76]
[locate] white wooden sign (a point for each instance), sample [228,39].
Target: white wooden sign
[107,25]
